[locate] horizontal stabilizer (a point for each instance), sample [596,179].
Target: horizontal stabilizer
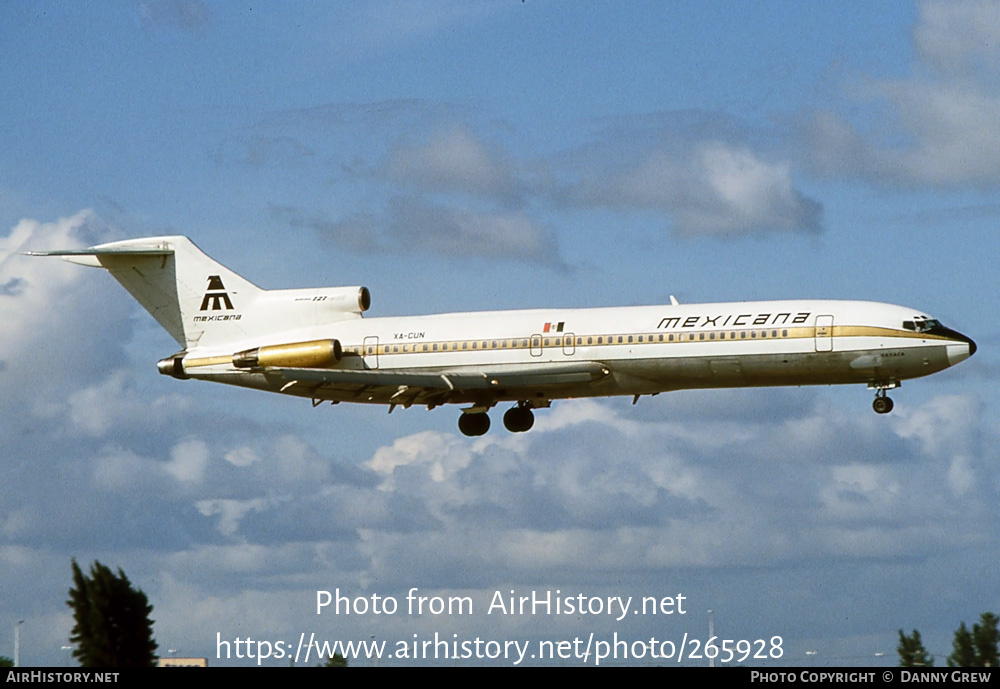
[90,257]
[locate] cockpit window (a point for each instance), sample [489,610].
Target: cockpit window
[921,325]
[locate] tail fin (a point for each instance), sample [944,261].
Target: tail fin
[197,300]
[201,303]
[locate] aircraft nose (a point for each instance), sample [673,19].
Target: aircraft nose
[959,352]
[967,340]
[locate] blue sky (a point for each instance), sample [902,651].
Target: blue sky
[470,156]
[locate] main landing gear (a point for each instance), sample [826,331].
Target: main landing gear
[519,419]
[883,403]
[474,423]
[516,420]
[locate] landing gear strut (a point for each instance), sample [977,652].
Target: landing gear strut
[882,403]
[519,419]
[476,423]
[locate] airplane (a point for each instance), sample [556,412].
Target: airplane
[316,344]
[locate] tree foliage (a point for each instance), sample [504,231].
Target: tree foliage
[112,625]
[986,638]
[6,662]
[336,660]
[979,647]
[912,652]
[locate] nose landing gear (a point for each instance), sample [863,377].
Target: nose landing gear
[883,403]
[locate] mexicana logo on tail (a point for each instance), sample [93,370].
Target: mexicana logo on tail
[217,294]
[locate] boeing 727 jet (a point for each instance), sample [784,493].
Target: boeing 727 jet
[315,343]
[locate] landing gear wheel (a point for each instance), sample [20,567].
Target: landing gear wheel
[882,404]
[519,419]
[474,424]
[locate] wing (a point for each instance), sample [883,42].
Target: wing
[453,386]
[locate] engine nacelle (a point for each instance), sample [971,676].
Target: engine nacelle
[312,354]
[303,308]
[173,366]
[336,299]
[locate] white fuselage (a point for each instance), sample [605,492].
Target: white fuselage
[315,343]
[644,349]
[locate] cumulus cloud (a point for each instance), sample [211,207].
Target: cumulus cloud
[414,225]
[943,120]
[708,186]
[115,402]
[445,455]
[56,316]
[726,191]
[188,461]
[587,479]
[251,518]
[453,160]
[959,36]
[230,512]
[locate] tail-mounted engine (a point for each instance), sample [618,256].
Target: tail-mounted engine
[173,366]
[312,354]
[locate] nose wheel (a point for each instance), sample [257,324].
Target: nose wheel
[882,403]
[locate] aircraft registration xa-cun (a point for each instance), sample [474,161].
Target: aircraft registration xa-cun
[314,343]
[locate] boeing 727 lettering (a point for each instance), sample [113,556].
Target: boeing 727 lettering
[316,344]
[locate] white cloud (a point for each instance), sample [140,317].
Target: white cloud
[230,511]
[188,461]
[444,454]
[710,188]
[117,470]
[959,36]
[941,125]
[861,492]
[415,226]
[115,403]
[59,319]
[943,425]
[741,193]
[242,456]
[453,160]
[961,477]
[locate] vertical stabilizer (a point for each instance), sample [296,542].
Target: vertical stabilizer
[197,300]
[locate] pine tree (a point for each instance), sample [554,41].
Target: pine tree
[112,626]
[336,660]
[978,648]
[912,652]
[963,653]
[986,639]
